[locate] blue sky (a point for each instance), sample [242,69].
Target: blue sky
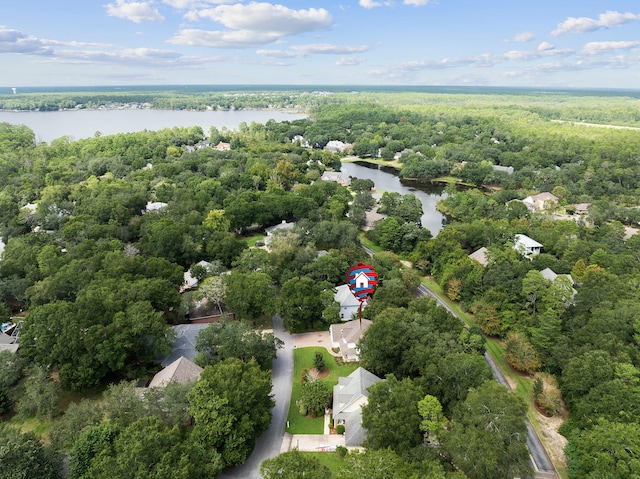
[538,43]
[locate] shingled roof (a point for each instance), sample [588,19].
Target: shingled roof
[180,371]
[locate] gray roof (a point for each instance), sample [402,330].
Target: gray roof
[184,343]
[349,395]
[345,297]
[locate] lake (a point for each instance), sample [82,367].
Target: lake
[79,124]
[386,179]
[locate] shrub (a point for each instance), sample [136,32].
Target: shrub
[546,394]
[303,410]
[318,361]
[341,450]
[340,428]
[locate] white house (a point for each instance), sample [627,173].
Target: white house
[154,206]
[527,246]
[349,304]
[349,395]
[345,337]
[189,281]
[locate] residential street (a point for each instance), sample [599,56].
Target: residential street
[268,445]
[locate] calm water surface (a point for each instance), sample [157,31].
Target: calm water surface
[386,179]
[79,124]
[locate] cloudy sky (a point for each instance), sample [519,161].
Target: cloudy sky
[559,43]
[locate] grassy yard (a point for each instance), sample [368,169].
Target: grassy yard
[330,459]
[303,358]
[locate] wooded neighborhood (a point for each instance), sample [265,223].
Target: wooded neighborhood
[112,243]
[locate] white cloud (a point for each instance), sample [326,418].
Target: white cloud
[226,39]
[521,37]
[416,3]
[368,4]
[14,41]
[545,46]
[195,4]
[300,51]
[597,48]
[349,61]
[265,17]
[251,25]
[608,19]
[137,12]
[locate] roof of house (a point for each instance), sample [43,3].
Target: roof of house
[184,342]
[280,226]
[351,331]
[180,371]
[335,176]
[582,207]
[545,196]
[481,256]
[527,242]
[550,275]
[345,297]
[155,205]
[349,395]
[506,169]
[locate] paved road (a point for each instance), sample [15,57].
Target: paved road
[542,466]
[268,445]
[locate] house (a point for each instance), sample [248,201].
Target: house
[349,395]
[336,146]
[222,146]
[303,143]
[184,342]
[273,229]
[541,201]
[551,275]
[154,206]
[180,371]
[527,246]
[189,281]
[505,169]
[335,177]
[481,256]
[581,208]
[345,337]
[349,304]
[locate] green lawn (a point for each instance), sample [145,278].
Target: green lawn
[330,459]
[303,358]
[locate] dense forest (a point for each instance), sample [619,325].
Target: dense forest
[94,272]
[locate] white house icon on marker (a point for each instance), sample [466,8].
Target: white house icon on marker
[362,280]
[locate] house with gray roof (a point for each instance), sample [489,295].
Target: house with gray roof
[349,395]
[345,337]
[349,304]
[526,246]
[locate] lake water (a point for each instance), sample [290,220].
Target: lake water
[79,124]
[386,179]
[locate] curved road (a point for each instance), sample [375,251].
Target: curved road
[268,444]
[542,466]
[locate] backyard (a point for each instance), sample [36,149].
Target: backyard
[304,358]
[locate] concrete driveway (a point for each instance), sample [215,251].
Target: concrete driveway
[316,338]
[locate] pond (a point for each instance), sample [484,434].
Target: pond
[386,179]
